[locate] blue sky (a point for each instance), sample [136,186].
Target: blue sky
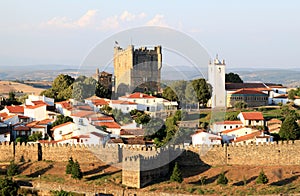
[247,34]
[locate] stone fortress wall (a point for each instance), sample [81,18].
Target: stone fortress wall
[143,165]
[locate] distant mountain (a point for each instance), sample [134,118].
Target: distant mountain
[287,77]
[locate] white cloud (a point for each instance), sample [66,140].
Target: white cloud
[109,23]
[86,20]
[157,20]
[127,16]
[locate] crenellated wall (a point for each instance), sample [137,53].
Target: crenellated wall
[140,166]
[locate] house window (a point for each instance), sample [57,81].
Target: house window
[5,135]
[60,132]
[127,108]
[148,109]
[80,121]
[257,121]
[224,127]
[236,126]
[230,127]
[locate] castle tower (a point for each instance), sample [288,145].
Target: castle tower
[216,78]
[137,69]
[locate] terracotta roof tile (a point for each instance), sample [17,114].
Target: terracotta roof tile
[35,106]
[82,113]
[15,109]
[139,96]
[248,92]
[231,130]
[253,115]
[112,125]
[228,122]
[123,102]
[61,125]
[247,137]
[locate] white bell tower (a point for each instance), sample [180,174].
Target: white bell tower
[216,78]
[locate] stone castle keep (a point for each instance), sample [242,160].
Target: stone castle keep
[140,166]
[137,68]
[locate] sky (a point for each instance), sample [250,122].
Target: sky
[256,34]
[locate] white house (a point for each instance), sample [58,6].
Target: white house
[36,112]
[34,100]
[231,134]
[14,109]
[149,104]
[63,131]
[96,102]
[64,107]
[111,127]
[36,127]
[253,138]
[124,106]
[203,137]
[283,99]
[218,127]
[251,118]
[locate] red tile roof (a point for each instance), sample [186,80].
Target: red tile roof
[15,109]
[65,104]
[229,122]
[97,134]
[139,96]
[45,121]
[123,102]
[35,106]
[247,137]
[3,115]
[248,92]
[61,125]
[80,136]
[82,113]
[112,125]
[253,115]
[39,102]
[231,130]
[22,128]
[99,102]
[102,118]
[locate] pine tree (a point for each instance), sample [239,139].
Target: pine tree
[222,179]
[176,174]
[262,178]
[76,171]
[69,166]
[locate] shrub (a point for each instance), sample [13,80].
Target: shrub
[222,179]
[176,174]
[12,169]
[69,166]
[8,187]
[262,178]
[76,171]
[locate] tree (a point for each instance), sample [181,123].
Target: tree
[76,171]
[179,89]
[69,166]
[12,99]
[106,109]
[233,78]
[12,169]
[262,178]
[240,105]
[62,88]
[289,129]
[176,174]
[141,117]
[61,119]
[222,179]
[202,91]
[291,95]
[102,91]
[35,137]
[169,94]
[8,187]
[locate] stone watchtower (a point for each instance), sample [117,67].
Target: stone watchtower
[138,69]
[216,78]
